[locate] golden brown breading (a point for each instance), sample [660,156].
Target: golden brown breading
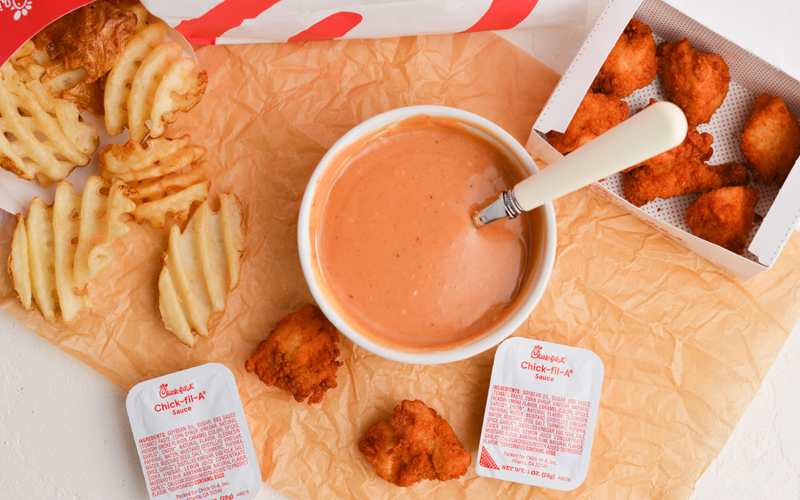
[694,80]
[414,444]
[91,37]
[696,145]
[686,177]
[771,139]
[631,64]
[724,216]
[596,114]
[88,96]
[299,356]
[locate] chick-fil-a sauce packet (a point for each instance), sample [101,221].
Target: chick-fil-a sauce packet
[540,414]
[192,436]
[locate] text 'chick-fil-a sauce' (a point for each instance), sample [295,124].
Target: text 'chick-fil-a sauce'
[540,414]
[192,436]
[397,247]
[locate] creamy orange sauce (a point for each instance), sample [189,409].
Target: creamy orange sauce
[397,247]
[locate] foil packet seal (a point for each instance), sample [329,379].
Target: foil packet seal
[540,414]
[192,437]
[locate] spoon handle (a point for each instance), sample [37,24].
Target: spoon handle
[656,129]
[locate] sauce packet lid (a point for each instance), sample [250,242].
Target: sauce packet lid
[192,436]
[540,414]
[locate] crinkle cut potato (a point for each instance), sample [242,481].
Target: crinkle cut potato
[58,249]
[41,137]
[200,267]
[167,175]
[151,81]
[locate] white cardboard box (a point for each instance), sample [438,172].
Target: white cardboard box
[750,77]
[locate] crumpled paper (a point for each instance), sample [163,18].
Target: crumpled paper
[685,346]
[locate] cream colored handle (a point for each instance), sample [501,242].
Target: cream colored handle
[648,133]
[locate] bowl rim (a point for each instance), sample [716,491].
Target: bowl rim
[464,351]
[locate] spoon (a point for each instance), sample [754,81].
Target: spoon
[658,128]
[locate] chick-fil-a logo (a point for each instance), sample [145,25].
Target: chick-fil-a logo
[537,354]
[20,7]
[164,391]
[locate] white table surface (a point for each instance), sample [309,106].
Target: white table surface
[64,432]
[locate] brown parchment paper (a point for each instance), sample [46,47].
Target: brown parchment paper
[684,345]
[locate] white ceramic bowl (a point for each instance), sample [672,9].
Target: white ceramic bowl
[539,276]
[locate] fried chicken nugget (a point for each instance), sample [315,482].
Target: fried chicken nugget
[91,37]
[686,177]
[696,146]
[414,444]
[299,356]
[694,80]
[596,114]
[631,64]
[771,139]
[724,216]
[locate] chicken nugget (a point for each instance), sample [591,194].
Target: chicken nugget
[596,114]
[695,146]
[771,139]
[724,216]
[686,177]
[91,37]
[631,64]
[414,444]
[694,80]
[299,356]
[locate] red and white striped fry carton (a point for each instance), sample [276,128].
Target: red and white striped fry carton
[253,21]
[750,76]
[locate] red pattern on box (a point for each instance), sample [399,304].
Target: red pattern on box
[486,460]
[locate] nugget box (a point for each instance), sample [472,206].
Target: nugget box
[750,76]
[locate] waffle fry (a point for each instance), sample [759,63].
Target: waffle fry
[177,205]
[170,184]
[70,85]
[41,271]
[180,90]
[58,249]
[165,173]
[123,72]
[162,84]
[141,14]
[66,226]
[131,161]
[41,137]
[146,83]
[19,264]
[201,266]
[100,229]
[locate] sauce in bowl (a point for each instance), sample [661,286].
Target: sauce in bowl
[396,247]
